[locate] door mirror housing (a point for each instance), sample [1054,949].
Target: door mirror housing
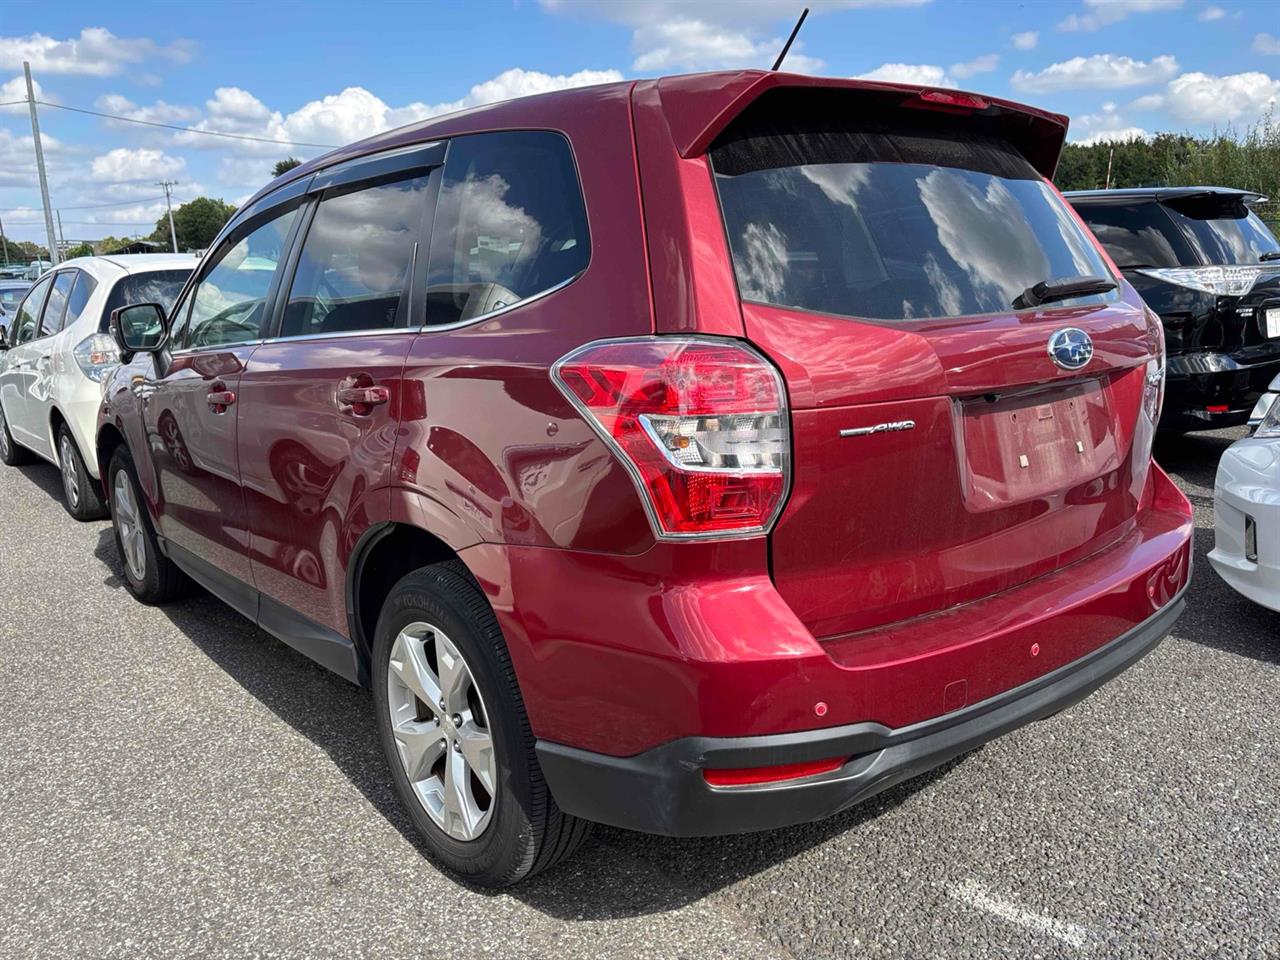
[4,336]
[139,328]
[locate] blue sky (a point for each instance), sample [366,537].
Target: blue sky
[328,73]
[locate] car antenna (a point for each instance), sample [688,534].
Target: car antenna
[787,46]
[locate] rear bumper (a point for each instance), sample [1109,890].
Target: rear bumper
[1247,491]
[1221,380]
[663,789]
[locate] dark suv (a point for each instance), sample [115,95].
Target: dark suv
[1204,261]
[696,455]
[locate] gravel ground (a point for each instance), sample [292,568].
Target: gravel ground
[176,783]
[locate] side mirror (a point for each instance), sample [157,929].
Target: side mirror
[4,336]
[139,328]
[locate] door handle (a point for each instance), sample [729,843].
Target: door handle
[362,400]
[219,400]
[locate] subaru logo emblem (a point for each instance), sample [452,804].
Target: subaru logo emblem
[1070,348]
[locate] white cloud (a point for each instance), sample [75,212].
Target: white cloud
[18,157]
[125,165]
[1100,71]
[1266,43]
[683,44]
[518,83]
[712,34]
[96,52]
[1107,124]
[922,74]
[1152,101]
[158,112]
[1026,40]
[1203,98]
[16,89]
[983,64]
[1103,13]
[1209,14]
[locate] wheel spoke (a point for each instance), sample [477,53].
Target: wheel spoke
[460,812]
[409,664]
[420,742]
[477,751]
[455,678]
[139,551]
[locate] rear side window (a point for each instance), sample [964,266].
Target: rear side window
[353,269]
[1137,234]
[51,320]
[891,222]
[510,224]
[79,299]
[156,286]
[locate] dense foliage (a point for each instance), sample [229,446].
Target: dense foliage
[284,166]
[197,223]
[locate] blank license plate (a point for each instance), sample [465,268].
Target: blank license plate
[1272,316]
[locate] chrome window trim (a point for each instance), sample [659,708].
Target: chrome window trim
[188,351]
[459,324]
[339,335]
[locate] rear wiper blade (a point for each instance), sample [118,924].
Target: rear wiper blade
[1047,291]
[1269,255]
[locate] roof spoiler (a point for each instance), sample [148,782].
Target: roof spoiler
[699,107]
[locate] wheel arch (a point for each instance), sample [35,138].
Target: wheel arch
[109,439]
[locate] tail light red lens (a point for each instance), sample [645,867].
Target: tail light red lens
[746,776]
[701,425]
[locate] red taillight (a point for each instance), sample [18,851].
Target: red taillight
[700,424]
[786,771]
[1217,408]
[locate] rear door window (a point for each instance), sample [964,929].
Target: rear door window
[1138,234]
[892,225]
[51,319]
[510,224]
[24,327]
[1222,229]
[354,265]
[154,286]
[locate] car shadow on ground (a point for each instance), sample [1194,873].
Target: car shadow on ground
[44,476]
[617,874]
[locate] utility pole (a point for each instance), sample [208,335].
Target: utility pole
[173,234]
[4,243]
[62,239]
[44,180]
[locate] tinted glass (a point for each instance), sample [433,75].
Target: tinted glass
[51,319]
[80,294]
[228,302]
[157,286]
[898,240]
[24,326]
[1222,230]
[354,264]
[509,224]
[1137,234]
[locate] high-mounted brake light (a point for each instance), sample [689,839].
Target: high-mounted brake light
[952,99]
[700,424]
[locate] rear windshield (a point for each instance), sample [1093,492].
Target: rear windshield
[1185,232]
[893,224]
[158,286]
[10,297]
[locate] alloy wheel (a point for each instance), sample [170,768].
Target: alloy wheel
[70,476]
[441,730]
[128,519]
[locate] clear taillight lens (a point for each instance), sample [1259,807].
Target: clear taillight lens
[701,425]
[1270,425]
[1233,281]
[97,355]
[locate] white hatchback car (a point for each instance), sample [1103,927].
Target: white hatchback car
[1246,508]
[59,351]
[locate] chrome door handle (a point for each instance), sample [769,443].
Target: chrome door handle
[219,400]
[363,396]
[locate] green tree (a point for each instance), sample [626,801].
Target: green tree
[197,222]
[284,166]
[79,250]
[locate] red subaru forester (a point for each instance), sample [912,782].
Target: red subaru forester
[696,455]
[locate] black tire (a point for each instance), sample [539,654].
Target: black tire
[526,832]
[11,455]
[81,493]
[159,580]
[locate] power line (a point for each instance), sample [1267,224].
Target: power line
[171,126]
[86,223]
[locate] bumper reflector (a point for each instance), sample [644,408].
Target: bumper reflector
[786,771]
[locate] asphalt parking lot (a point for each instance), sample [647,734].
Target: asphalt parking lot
[176,783]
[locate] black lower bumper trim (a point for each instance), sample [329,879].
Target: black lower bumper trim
[663,790]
